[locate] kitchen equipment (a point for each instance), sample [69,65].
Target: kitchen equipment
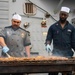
[36,64]
[8,55]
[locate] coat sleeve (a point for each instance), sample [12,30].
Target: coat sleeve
[2,33]
[49,36]
[73,39]
[27,41]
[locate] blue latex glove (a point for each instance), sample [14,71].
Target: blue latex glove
[5,49]
[48,48]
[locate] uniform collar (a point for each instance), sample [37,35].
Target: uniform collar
[59,26]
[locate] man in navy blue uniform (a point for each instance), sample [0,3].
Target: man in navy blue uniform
[63,35]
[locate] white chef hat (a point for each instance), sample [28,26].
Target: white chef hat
[16,16]
[65,9]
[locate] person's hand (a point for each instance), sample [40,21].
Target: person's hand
[48,48]
[5,49]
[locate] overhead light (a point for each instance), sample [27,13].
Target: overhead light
[26,24]
[13,0]
[47,15]
[43,23]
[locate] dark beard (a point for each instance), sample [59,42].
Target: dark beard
[62,20]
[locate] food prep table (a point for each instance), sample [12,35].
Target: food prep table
[31,65]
